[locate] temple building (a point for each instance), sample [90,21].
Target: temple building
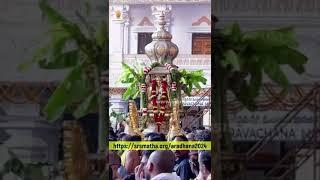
[131,24]
[23,95]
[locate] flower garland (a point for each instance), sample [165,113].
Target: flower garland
[154,101]
[143,99]
[158,109]
[143,88]
[163,101]
[159,116]
[174,72]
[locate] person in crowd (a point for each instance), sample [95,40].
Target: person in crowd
[194,129]
[111,131]
[191,136]
[122,171]
[130,158]
[114,163]
[204,166]
[209,177]
[126,137]
[187,130]
[163,137]
[144,160]
[182,167]
[120,128]
[111,138]
[155,138]
[203,135]
[146,137]
[121,135]
[193,160]
[135,138]
[145,156]
[112,135]
[129,177]
[159,167]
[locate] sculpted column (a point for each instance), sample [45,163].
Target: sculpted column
[119,29]
[166,9]
[118,40]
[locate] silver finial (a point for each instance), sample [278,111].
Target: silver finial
[161,49]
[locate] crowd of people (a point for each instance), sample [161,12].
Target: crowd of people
[160,164]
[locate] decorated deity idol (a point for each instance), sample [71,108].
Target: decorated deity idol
[159,91]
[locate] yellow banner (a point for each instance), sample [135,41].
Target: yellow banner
[159,145]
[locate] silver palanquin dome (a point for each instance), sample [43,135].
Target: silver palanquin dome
[161,49]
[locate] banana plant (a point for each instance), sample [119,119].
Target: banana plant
[243,58]
[80,49]
[190,80]
[132,76]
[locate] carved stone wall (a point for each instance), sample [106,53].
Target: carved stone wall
[158,1]
[267,7]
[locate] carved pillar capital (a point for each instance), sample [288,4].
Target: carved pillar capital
[120,14]
[166,9]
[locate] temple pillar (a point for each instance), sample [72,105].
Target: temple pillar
[32,138]
[119,22]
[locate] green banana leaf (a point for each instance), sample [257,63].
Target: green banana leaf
[247,55]
[78,48]
[72,88]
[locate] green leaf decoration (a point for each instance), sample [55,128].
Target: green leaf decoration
[89,29]
[273,70]
[131,92]
[15,166]
[252,53]
[101,35]
[131,76]
[190,80]
[87,8]
[295,59]
[86,106]
[183,80]
[266,39]
[231,58]
[65,60]
[233,31]
[52,15]
[79,46]
[255,80]
[71,89]
[131,70]
[38,55]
